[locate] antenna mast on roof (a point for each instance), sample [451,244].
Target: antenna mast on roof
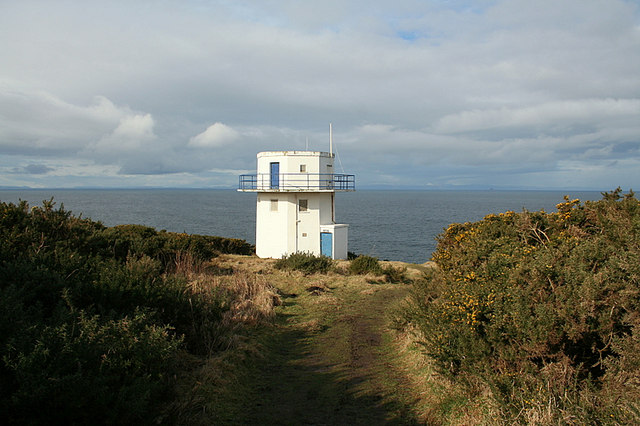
[330,138]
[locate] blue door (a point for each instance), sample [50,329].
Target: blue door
[326,244]
[275,175]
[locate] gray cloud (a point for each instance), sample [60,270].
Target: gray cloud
[441,93]
[33,169]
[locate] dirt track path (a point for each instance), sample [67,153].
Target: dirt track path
[329,360]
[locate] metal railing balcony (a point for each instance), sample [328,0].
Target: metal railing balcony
[297,182]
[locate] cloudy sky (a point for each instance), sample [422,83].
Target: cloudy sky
[538,94]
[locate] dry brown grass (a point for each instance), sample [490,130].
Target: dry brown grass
[250,296]
[254,299]
[185,264]
[250,264]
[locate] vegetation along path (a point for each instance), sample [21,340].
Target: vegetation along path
[328,359]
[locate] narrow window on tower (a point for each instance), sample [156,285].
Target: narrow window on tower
[303,168]
[303,205]
[274,205]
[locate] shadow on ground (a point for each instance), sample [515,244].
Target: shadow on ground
[328,376]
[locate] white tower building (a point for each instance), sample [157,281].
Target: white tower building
[295,210]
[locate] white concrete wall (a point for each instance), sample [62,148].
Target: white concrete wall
[308,222]
[319,212]
[327,207]
[318,166]
[289,230]
[271,227]
[340,241]
[290,161]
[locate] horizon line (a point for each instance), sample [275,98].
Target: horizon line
[364,188]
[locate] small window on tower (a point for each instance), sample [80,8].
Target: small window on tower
[303,205]
[274,205]
[303,168]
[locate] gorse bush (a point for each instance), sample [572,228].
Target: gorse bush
[543,308]
[306,263]
[364,264]
[91,321]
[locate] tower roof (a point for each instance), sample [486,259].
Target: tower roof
[295,153]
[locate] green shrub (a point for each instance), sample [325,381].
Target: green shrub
[87,371]
[90,320]
[306,263]
[139,283]
[395,275]
[125,240]
[365,265]
[542,308]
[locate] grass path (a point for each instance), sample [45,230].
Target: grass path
[328,359]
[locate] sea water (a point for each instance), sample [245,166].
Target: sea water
[392,225]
